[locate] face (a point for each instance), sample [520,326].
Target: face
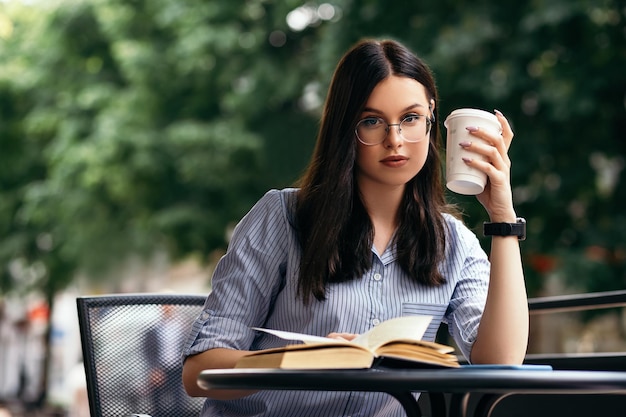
[394,161]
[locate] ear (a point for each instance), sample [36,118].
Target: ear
[431,107]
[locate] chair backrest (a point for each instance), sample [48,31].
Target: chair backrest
[131,350]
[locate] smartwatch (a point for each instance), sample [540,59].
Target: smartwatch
[506,229]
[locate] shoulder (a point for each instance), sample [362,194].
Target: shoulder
[283,200]
[458,234]
[274,208]
[284,196]
[454,224]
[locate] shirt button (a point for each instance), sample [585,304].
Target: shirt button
[375,322]
[377,277]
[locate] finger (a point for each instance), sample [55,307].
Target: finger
[500,141]
[496,175]
[490,136]
[492,148]
[507,132]
[492,155]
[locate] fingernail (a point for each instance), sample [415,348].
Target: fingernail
[467,160]
[498,112]
[472,129]
[465,144]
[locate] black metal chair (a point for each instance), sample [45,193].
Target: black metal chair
[544,405]
[131,350]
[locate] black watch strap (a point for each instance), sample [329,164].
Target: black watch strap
[506,229]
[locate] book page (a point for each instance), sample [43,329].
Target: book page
[409,328]
[301,337]
[400,328]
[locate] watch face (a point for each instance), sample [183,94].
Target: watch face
[522,225]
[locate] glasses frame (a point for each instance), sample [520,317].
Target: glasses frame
[429,125]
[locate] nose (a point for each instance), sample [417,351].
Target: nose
[394,137]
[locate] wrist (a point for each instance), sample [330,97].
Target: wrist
[504,217]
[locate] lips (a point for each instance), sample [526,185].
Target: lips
[395,160]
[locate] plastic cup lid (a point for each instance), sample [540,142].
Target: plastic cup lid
[472,113]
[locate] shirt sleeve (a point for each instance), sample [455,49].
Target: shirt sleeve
[470,293]
[246,279]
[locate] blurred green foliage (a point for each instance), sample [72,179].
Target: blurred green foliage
[128,126]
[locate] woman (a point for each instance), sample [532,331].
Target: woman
[366,237]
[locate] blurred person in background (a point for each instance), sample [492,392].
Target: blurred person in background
[10,353]
[163,357]
[21,357]
[6,336]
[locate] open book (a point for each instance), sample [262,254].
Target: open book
[394,343]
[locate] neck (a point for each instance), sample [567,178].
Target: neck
[382,204]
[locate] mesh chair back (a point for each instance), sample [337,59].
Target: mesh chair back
[131,349]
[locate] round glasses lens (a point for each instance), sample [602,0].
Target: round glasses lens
[412,129]
[374,130]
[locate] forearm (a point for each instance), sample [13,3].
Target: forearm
[218,358]
[503,331]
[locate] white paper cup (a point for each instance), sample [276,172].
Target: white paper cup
[460,177]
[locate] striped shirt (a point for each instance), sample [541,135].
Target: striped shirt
[255,285]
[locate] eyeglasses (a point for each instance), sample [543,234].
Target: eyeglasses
[373,130]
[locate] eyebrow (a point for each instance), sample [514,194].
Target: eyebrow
[412,106]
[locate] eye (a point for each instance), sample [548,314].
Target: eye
[411,119]
[371,123]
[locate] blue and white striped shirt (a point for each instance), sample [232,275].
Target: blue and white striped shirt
[255,284]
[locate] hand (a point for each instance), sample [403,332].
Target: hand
[342,336]
[497,197]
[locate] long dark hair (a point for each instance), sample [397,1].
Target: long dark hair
[334,229]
